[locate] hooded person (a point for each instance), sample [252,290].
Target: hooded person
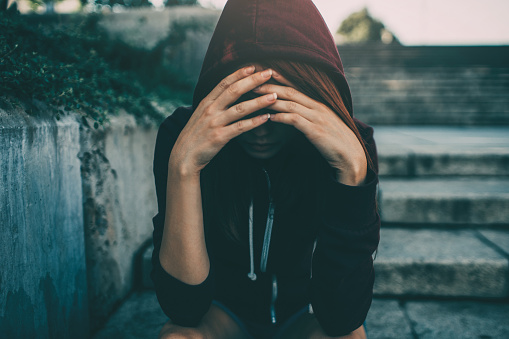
[308,249]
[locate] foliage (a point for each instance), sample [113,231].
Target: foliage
[125,3]
[361,26]
[181,2]
[137,3]
[75,68]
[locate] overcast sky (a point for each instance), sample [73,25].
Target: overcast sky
[425,22]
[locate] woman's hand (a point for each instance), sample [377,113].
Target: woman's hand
[322,127]
[215,121]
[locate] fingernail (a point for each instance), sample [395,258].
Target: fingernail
[271,97]
[257,89]
[266,116]
[267,73]
[250,69]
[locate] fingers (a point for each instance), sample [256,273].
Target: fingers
[241,126]
[296,120]
[229,80]
[292,107]
[287,93]
[243,109]
[240,87]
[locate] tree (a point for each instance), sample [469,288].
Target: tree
[362,27]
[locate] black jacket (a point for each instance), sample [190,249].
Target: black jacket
[334,274]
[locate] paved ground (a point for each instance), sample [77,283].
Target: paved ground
[141,317]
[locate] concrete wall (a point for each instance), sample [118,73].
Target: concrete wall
[119,202]
[43,290]
[181,34]
[75,208]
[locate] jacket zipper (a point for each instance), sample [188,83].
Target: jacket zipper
[265,251]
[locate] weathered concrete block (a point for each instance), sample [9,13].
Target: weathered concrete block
[445,201]
[439,263]
[43,291]
[386,320]
[459,319]
[119,202]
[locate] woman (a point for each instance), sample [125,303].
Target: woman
[266,187]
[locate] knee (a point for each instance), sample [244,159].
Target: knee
[172,331]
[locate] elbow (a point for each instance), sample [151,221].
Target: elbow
[184,304]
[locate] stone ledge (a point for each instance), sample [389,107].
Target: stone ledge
[439,263]
[461,200]
[442,151]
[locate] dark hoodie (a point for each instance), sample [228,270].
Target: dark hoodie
[334,274]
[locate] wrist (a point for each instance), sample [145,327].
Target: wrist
[352,175]
[182,170]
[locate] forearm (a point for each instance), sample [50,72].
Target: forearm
[183,252]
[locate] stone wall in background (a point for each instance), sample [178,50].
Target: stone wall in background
[119,202]
[181,33]
[43,287]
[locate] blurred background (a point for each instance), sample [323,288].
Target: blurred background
[418,22]
[84,86]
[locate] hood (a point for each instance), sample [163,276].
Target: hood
[253,30]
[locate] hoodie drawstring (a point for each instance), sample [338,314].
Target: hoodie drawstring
[265,250]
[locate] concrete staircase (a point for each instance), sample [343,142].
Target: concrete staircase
[444,200]
[432,85]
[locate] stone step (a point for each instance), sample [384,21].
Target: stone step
[445,201]
[423,160]
[380,55]
[432,263]
[442,151]
[441,263]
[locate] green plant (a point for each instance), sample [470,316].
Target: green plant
[75,68]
